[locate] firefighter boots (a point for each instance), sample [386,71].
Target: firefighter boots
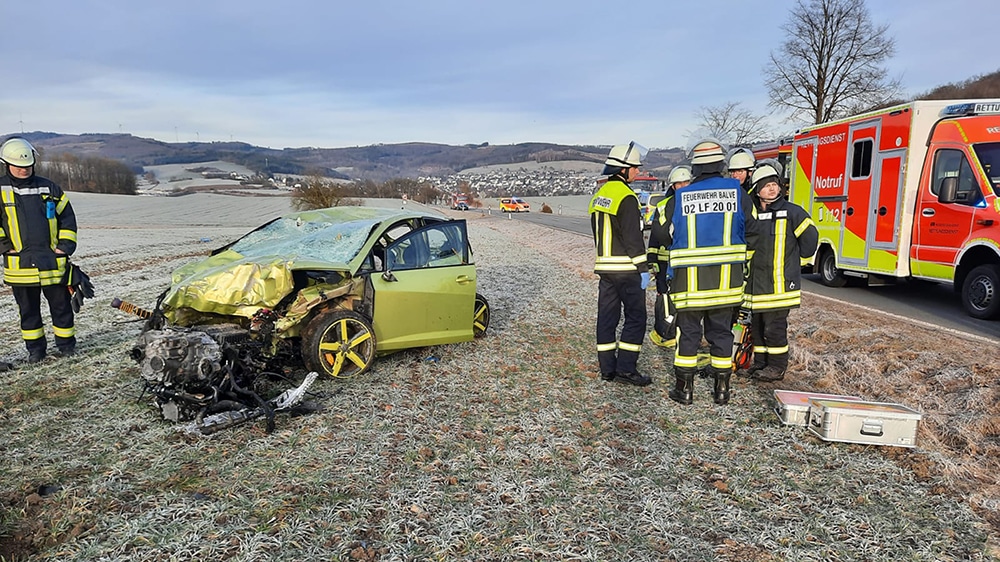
[720,392]
[683,391]
[770,374]
[635,379]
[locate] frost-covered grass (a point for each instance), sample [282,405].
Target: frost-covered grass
[505,448]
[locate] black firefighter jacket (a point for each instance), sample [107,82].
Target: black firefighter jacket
[785,236]
[37,218]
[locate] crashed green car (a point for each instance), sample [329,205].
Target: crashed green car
[344,284]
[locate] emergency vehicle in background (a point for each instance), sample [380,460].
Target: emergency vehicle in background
[460,201]
[514,205]
[911,191]
[780,151]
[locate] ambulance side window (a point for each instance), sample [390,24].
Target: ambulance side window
[861,160]
[949,163]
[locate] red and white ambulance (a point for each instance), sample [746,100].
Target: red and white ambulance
[908,191]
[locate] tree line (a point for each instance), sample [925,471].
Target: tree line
[318,192]
[91,174]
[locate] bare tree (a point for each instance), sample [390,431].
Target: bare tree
[830,64]
[737,125]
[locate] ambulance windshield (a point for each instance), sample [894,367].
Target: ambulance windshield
[989,156]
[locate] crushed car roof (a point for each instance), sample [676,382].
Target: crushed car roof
[255,270]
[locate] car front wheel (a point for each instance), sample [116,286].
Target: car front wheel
[340,343]
[981,292]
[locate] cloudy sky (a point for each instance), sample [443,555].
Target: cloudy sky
[326,73]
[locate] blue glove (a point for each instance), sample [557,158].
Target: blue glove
[645,280]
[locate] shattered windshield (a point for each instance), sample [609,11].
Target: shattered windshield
[319,240]
[989,156]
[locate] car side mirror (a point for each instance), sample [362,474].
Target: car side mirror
[949,190]
[388,276]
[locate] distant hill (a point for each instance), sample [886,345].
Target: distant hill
[984,86]
[377,162]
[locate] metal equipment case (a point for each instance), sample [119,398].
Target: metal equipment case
[793,406]
[875,423]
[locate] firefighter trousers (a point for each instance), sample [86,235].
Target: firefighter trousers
[617,292]
[770,338]
[29,303]
[664,311]
[715,324]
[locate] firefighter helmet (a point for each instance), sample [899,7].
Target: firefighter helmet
[764,172]
[18,152]
[679,174]
[741,160]
[626,155]
[707,152]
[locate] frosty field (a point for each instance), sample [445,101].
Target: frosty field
[505,448]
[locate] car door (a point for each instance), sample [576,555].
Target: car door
[942,228]
[427,294]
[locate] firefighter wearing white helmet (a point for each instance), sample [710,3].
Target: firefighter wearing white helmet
[786,236]
[705,229]
[741,163]
[616,222]
[37,236]
[664,332]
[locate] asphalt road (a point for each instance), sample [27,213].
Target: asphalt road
[935,305]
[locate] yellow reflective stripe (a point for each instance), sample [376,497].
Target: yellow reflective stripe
[607,346]
[613,268]
[685,360]
[67,235]
[704,299]
[760,349]
[715,259]
[629,346]
[614,259]
[777,350]
[728,228]
[639,259]
[692,231]
[706,250]
[11,211]
[64,332]
[781,228]
[722,362]
[803,226]
[61,205]
[35,334]
[606,235]
[768,302]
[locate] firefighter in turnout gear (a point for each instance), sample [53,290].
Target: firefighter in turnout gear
[786,235]
[37,237]
[741,163]
[706,231]
[664,332]
[616,222]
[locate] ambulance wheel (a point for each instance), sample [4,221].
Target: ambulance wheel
[339,343]
[481,316]
[981,292]
[828,272]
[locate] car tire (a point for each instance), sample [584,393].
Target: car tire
[481,316]
[828,272]
[981,292]
[339,343]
